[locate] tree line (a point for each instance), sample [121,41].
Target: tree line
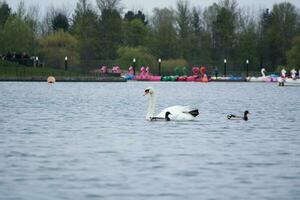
[183,36]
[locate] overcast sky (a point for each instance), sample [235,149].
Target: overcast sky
[148,5]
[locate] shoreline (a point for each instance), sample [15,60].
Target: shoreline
[63,79]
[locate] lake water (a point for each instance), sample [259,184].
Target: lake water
[91,141]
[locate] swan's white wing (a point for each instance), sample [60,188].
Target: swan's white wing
[173,110]
[177,113]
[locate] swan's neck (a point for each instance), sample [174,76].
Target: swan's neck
[293,72]
[283,72]
[263,73]
[151,106]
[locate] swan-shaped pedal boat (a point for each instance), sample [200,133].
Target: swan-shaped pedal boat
[292,81]
[263,77]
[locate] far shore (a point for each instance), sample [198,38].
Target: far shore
[64,79]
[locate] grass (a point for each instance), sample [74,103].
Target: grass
[10,69]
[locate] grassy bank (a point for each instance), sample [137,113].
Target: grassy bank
[10,71]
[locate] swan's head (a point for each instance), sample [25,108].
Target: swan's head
[149,90]
[167,116]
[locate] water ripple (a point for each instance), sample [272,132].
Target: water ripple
[87,141]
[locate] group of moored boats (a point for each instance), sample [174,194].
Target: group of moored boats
[282,80]
[199,75]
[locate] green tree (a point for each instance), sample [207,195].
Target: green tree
[294,52]
[5,12]
[129,16]
[86,29]
[142,55]
[54,19]
[247,45]
[283,28]
[55,47]
[183,17]
[17,36]
[111,33]
[60,21]
[264,41]
[206,49]
[110,28]
[224,29]
[195,49]
[135,33]
[208,38]
[165,41]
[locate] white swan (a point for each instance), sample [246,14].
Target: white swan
[261,78]
[293,73]
[177,113]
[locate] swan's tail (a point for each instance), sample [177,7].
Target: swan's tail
[194,113]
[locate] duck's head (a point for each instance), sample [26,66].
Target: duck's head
[167,116]
[149,90]
[246,113]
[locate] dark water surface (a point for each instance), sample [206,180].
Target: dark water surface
[91,141]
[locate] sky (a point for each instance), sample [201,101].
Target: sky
[147,5]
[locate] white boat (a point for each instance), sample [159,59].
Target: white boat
[262,78]
[285,81]
[292,82]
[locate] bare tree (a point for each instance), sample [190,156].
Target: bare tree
[52,12]
[83,6]
[21,10]
[108,5]
[30,15]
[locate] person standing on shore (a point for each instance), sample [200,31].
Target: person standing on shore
[216,72]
